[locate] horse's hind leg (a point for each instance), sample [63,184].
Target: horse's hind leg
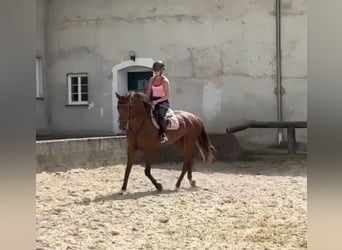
[188,150]
[191,181]
[148,158]
[184,169]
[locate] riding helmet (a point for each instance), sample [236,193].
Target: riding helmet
[158,65]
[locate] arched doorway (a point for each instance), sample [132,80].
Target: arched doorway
[129,75]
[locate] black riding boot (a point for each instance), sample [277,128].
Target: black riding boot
[160,113]
[163,128]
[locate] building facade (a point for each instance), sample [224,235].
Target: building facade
[220,59]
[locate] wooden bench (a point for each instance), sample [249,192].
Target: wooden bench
[289,125]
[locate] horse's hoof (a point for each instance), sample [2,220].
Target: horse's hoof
[159,187]
[123,192]
[193,183]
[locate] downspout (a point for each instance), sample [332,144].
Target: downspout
[279,89]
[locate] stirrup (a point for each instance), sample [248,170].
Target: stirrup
[164,138]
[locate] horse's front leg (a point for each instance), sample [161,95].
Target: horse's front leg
[130,159]
[149,158]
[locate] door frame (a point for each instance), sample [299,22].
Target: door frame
[119,82]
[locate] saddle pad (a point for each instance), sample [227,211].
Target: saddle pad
[172,120]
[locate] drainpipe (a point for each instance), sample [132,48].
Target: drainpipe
[279,89]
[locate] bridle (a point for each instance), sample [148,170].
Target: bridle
[130,118]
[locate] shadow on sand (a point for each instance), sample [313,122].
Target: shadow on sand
[270,165]
[136,195]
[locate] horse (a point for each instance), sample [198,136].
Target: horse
[142,132]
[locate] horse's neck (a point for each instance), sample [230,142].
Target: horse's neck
[148,109]
[142,113]
[140,119]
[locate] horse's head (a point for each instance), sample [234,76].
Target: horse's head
[123,109]
[134,104]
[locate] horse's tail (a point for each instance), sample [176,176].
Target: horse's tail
[204,145]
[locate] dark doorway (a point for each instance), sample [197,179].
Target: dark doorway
[138,81]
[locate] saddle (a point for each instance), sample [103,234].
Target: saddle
[171,120]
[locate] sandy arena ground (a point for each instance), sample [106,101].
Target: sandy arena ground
[251,205]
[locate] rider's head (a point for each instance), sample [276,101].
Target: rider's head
[158,67]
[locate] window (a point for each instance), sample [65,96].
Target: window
[142,85]
[39,78]
[78,89]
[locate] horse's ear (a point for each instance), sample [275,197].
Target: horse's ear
[117,95]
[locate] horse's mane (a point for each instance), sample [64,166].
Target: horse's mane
[141,94]
[144,98]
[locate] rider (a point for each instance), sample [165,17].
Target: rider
[158,90]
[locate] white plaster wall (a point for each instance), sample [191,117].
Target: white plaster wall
[294,63]
[220,58]
[42,113]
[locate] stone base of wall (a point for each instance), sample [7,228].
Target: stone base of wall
[81,152]
[63,154]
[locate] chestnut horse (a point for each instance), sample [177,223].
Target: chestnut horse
[135,117]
